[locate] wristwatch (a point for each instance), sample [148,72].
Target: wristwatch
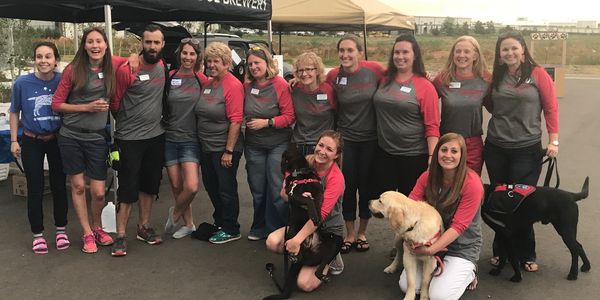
[555,143]
[228,151]
[270,123]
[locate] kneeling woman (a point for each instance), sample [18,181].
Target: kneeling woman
[325,161]
[456,192]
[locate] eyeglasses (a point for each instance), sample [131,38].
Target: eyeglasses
[300,71]
[194,41]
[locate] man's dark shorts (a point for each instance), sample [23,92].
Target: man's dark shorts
[87,157]
[141,167]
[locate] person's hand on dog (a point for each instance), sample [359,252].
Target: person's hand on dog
[421,250]
[307,195]
[293,246]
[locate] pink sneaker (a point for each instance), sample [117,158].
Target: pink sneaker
[89,244]
[101,237]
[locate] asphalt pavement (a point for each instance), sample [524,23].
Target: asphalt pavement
[192,269]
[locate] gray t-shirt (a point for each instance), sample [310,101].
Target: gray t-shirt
[184,93]
[139,116]
[354,95]
[219,103]
[76,123]
[516,120]
[462,101]
[314,111]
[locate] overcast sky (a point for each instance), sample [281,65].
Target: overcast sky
[505,11]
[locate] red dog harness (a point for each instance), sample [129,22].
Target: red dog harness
[440,262]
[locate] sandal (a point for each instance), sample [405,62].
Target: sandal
[495,261]
[362,245]
[347,246]
[40,246]
[62,241]
[530,266]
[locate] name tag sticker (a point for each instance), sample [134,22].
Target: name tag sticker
[176,81]
[321,97]
[254,91]
[100,75]
[405,89]
[454,85]
[144,77]
[343,81]
[206,91]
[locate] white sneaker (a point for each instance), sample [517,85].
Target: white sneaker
[170,225]
[336,266]
[184,231]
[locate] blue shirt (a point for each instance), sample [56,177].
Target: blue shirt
[33,98]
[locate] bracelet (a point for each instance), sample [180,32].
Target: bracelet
[228,151]
[14,141]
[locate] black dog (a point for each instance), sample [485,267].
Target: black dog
[508,213]
[319,248]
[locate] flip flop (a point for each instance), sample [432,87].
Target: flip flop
[347,246]
[40,246]
[362,245]
[530,266]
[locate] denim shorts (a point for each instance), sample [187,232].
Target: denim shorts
[176,153]
[87,157]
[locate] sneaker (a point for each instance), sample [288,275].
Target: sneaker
[184,231]
[255,237]
[102,238]
[119,248]
[148,235]
[62,241]
[336,266]
[89,244]
[222,237]
[170,225]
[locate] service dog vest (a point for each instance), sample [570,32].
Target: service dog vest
[505,200]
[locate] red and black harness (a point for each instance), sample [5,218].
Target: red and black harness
[439,258]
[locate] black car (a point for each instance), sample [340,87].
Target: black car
[174,32]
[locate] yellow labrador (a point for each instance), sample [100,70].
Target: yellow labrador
[415,223]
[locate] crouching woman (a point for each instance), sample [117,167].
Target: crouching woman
[325,162]
[456,193]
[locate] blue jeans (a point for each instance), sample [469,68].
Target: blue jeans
[263,166]
[33,152]
[222,187]
[521,165]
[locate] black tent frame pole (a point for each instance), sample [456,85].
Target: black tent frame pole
[365,41]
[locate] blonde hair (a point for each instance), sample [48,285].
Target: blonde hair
[265,55]
[479,65]
[310,58]
[218,50]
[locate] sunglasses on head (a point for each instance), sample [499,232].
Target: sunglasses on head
[194,41]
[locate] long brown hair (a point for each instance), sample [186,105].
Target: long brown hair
[337,137]
[80,65]
[434,194]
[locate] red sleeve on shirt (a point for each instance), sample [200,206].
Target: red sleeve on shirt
[64,88]
[284,100]
[124,79]
[203,79]
[118,61]
[547,97]
[334,189]
[418,191]
[375,67]
[328,89]
[471,195]
[333,73]
[234,98]
[429,104]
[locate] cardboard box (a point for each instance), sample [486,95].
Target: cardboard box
[19,183]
